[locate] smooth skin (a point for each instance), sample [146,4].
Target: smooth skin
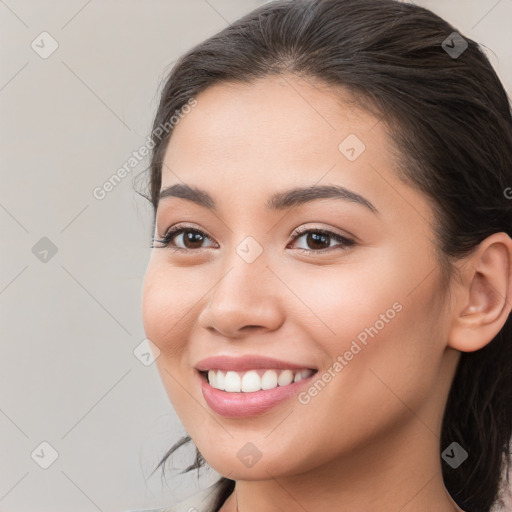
[369,440]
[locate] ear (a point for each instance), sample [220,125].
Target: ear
[483,298]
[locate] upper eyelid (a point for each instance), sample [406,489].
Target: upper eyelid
[179,226]
[301,230]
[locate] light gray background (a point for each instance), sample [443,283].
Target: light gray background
[68,375]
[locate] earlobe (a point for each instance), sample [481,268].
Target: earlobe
[484,297]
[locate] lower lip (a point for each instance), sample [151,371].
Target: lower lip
[237,405]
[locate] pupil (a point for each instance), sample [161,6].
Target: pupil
[193,237]
[318,238]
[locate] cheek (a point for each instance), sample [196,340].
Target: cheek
[338,303]
[168,299]
[167,318]
[383,330]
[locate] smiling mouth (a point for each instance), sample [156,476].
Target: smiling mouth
[254,380]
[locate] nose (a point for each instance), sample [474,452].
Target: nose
[245,299]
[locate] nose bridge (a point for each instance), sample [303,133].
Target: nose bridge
[245,268]
[246,293]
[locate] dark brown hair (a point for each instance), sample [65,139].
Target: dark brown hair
[450,119]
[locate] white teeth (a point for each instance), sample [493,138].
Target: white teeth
[251,382]
[269,380]
[212,378]
[221,380]
[232,382]
[254,380]
[285,378]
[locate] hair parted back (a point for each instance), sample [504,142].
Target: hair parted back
[451,123]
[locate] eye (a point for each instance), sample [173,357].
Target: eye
[187,238]
[319,240]
[183,238]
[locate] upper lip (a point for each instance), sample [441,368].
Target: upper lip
[246,362]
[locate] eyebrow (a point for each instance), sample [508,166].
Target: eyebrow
[279,201]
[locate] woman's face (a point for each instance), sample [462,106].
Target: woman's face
[366,310]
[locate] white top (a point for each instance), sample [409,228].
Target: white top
[200,502]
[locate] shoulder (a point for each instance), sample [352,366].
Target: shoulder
[200,502]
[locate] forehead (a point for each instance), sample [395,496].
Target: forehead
[274,110]
[274,123]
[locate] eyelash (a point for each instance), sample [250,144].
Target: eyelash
[173,232]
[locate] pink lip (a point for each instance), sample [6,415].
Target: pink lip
[247,362]
[237,405]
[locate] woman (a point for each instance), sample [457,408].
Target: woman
[331,281]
